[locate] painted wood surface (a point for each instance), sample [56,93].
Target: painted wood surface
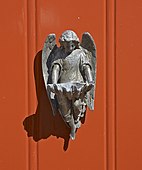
[110,138]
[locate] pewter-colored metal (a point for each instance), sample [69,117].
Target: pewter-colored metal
[69,73]
[49,44]
[89,44]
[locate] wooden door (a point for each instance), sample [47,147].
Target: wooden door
[110,138]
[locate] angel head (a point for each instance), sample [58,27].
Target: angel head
[69,41]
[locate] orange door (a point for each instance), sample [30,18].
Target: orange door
[128,85]
[89,149]
[111,137]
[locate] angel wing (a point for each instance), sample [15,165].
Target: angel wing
[47,58]
[89,44]
[49,47]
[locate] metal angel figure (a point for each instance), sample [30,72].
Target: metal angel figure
[69,73]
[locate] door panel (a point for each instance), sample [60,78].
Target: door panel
[128,84]
[13,87]
[88,150]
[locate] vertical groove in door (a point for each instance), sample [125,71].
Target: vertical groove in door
[36,45]
[31,51]
[105,76]
[111,82]
[115,97]
[26,77]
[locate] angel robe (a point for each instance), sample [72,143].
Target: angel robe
[71,67]
[72,71]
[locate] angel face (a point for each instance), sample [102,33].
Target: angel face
[69,40]
[69,46]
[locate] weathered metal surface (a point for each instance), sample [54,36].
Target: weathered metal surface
[69,73]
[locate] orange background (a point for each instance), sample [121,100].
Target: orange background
[111,137]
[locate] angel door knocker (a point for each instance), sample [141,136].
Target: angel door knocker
[69,73]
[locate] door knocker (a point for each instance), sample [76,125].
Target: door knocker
[69,73]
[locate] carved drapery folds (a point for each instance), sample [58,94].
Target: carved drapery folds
[69,73]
